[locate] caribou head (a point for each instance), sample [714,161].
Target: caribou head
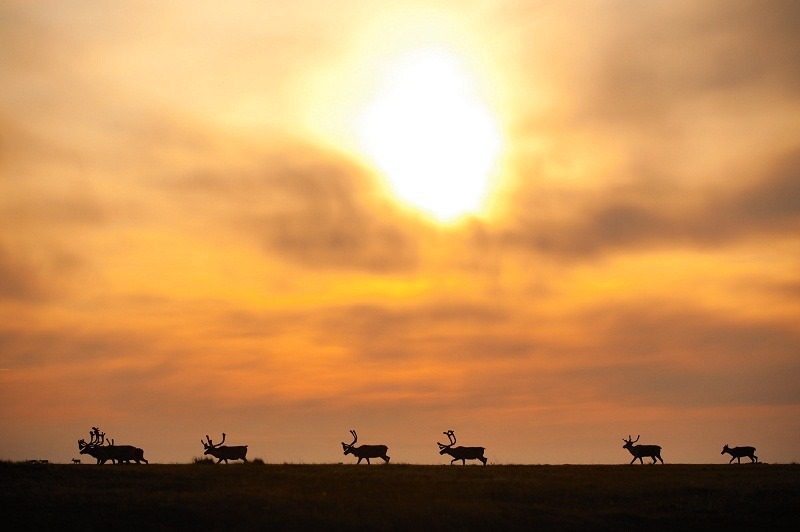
[451,435]
[348,447]
[96,439]
[630,441]
[209,446]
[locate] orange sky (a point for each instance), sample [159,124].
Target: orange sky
[192,241]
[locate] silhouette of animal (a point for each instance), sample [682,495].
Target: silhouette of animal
[103,451]
[76,461]
[639,451]
[460,453]
[224,452]
[738,452]
[365,451]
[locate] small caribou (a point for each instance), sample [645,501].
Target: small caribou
[737,453]
[639,451]
[224,452]
[460,453]
[365,451]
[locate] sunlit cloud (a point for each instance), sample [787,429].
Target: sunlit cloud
[194,240]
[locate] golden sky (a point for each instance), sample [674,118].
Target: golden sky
[205,227]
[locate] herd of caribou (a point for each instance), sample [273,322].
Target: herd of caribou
[103,450]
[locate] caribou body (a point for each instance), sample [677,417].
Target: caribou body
[224,452]
[640,451]
[102,450]
[460,453]
[365,452]
[738,452]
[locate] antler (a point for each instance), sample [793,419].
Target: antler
[98,438]
[631,440]
[346,446]
[211,443]
[450,436]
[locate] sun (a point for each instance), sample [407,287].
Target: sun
[430,135]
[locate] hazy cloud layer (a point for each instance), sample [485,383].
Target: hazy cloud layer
[186,249]
[640,216]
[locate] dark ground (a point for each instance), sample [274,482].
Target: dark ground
[399,497]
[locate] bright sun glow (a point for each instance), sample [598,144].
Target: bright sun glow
[431,136]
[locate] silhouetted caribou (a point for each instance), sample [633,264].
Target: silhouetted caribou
[639,451]
[460,453]
[737,453]
[365,451]
[103,451]
[224,452]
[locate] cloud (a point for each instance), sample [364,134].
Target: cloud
[652,125]
[175,247]
[18,281]
[655,62]
[314,209]
[35,274]
[770,203]
[644,216]
[448,332]
[647,355]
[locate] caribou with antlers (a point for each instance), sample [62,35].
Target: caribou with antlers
[460,453]
[224,452]
[639,451]
[738,452]
[104,450]
[365,451]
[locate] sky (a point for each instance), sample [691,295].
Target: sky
[204,227]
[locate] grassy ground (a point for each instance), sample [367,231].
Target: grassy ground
[399,497]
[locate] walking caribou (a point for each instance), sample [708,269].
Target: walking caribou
[460,453]
[737,453]
[103,450]
[365,451]
[224,452]
[639,451]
